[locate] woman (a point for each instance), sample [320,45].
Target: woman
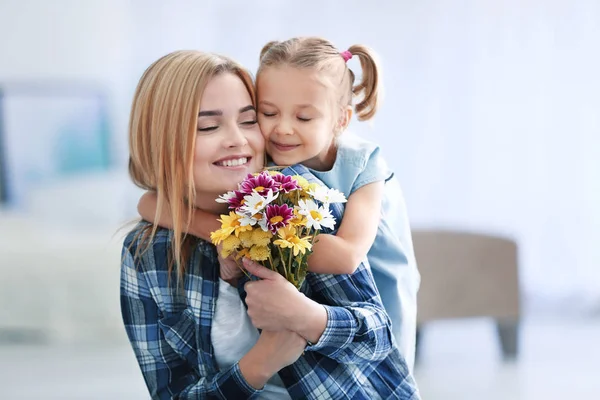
[194,136]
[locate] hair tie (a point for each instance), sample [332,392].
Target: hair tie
[346,55]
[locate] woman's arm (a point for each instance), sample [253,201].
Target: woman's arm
[169,373]
[342,253]
[203,223]
[358,327]
[343,318]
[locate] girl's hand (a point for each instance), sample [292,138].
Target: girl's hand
[284,347]
[272,352]
[229,269]
[147,209]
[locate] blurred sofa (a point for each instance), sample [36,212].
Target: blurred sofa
[59,261]
[469,275]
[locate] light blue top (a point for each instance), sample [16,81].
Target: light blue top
[358,163]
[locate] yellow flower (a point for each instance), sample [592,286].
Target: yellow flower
[260,253]
[302,182]
[261,238]
[230,244]
[313,187]
[298,219]
[242,228]
[289,239]
[246,238]
[271,172]
[305,186]
[219,235]
[231,224]
[242,253]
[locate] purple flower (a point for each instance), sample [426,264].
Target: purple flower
[236,201]
[277,216]
[286,183]
[260,184]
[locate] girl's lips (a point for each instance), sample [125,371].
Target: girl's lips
[284,147]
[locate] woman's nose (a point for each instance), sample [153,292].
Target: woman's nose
[236,138]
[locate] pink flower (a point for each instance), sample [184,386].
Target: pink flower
[286,183]
[276,216]
[260,184]
[236,201]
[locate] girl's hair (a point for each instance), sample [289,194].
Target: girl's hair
[318,53]
[162,136]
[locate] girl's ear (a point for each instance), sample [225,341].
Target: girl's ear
[344,120]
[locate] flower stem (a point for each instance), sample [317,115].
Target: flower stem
[282,262]
[271,262]
[243,270]
[290,261]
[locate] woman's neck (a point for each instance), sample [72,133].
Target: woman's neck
[208,204]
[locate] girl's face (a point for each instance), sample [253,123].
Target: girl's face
[296,116]
[229,143]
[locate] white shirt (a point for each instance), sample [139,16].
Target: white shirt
[233,335]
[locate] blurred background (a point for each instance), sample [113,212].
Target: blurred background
[491,122]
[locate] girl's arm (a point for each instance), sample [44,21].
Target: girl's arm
[203,223]
[342,253]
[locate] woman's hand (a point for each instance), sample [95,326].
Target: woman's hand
[273,302]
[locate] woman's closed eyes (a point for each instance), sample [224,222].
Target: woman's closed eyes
[245,124]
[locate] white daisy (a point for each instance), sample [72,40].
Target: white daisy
[263,223]
[327,196]
[254,203]
[224,198]
[251,220]
[317,217]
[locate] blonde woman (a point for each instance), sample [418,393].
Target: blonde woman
[193,136]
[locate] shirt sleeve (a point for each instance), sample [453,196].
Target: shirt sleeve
[170,371]
[375,169]
[358,328]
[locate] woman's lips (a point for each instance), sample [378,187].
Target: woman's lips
[234,163]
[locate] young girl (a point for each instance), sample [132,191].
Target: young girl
[305,93]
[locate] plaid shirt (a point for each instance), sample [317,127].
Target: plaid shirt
[169,324]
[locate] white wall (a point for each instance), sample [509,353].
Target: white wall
[86,42]
[491,110]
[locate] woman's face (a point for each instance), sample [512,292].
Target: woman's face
[229,143]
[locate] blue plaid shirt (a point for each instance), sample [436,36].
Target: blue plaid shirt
[169,323]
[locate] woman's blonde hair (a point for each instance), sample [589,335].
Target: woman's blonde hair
[162,136]
[322,55]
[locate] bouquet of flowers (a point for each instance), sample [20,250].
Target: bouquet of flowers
[274,219]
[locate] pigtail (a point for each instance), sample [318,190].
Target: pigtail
[368,88]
